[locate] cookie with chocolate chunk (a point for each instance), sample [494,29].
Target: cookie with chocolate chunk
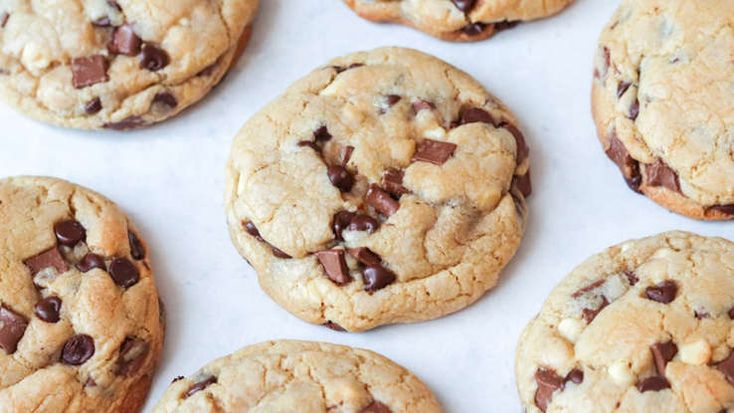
[299,376]
[81,329]
[662,99]
[644,326]
[457,20]
[384,187]
[116,64]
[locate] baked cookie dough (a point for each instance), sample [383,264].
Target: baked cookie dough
[120,64]
[662,102]
[645,326]
[299,376]
[80,322]
[385,187]
[457,20]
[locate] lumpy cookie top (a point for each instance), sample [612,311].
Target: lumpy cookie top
[663,102]
[387,186]
[298,376]
[80,328]
[645,326]
[115,64]
[457,20]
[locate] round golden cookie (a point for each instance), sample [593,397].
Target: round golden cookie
[644,326]
[299,376]
[662,102]
[385,187]
[457,20]
[116,64]
[80,324]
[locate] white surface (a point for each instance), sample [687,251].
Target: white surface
[169,178]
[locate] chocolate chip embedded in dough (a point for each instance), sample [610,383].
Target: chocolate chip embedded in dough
[132,356]
[322,134]
[130,122]
[335,266]
[199,386]
[660,174]
[726,366]
[340,177]
[473,29]
[93,106]
[474,115]
[654,383]
[365,256]
[381,201]
[89,70]
[376,407]
[435,152]
[77,350]
[662,353]
[12,328]
[137,250]
[464,5]
[125,41]
[90,262]
[630,167]
[340,222]
[377,277]
[392,181]
[590,314]
[575,376]
[548,382]
[334,326]
[153,58]
[69,232]
[664,292]
[166,99]
[48,309]
[124,273]
[50,258]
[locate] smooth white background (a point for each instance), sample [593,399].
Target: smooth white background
[169,178]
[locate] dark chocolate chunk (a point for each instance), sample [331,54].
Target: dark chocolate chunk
[334,326]
[548,382]
[348,151]
[153,58]
[464,5]
[69,232]
[392,181]
[165,98]
[724,209]
[365,256]
[377,277]
[125,41]
[131,358]
[522,147]
[131,122]
[473,29]
[576,376]
[50,258]
[654,383]
[199,386]
[124,273]
[731,313]
[137,250]
[322,134]
[376,407]
[340,177]
[335,266]
[89,70]
[77,350]
[12,328]
[435,152]
[90,262]
[664,292]
[505,25]
[660,174]
[341,221]
[726,366]
[590,314]
[392,99]
[310,144]
[662,353]
[361,222]
[629,167]
[473,115]
[48,309]
[381,201]
[93,106]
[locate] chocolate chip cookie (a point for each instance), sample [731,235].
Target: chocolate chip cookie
[80,322]
[457,20]
[384,187]
[645,326]
[299,376]
[116,64]
[662,98]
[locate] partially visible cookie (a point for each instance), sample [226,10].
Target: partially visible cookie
[299,376]
[457,20]
[116,64]
[662,102]
[80,323]
[385,187]
[645,326]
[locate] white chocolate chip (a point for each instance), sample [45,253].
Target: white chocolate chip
[435,133]
[621,373]
[696,353]
[34,58]
[571,329]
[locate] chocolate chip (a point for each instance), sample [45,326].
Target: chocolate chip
[177,378]
[322,134]
[199,386]
[153,58]
[654,383]
[335,266]
[361,222]
[102,22]
[77,350]
[575,376]
[548,382]
[377,277]
[48,309]
[524,184]
[93,106]
[701,314]
[365,256]
[348,151]
[634,110]
[590,287]
[50,258]
[278,253]
[124,273]
[505,25]
[392,99]
[660,174]
[473,29]
[631,277]
[130,122]
[376,407]
[12,328]
[731,313]
[340,177]
[165,98]
[435,152]
[340,69]
[464,5]
[131,357]
[4,19]
[590,314]
[664,292]
[726,366]
[381,201]
[251,229]
[90,262]
[724,209]
[420,105]
[137,250]
[629,167]
[473,115]
[392,181]
[334,326]
[662,353]
[341,221]
[522,147]
[311,145]
[87,71]
[70,232]
[622,88]
[125,41]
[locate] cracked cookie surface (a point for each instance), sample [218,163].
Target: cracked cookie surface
[645,326]
[457,20]
[121,64]
[662,102]
[307,377]
[80,322]
[385,187]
